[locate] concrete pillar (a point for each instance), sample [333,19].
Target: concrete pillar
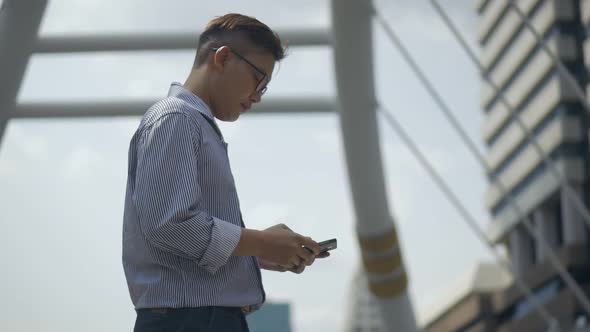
[377,233]
[522,250]
[545,219]
[574,228]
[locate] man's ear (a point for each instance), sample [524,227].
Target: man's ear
[220,57]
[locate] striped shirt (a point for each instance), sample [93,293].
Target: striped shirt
[182,217]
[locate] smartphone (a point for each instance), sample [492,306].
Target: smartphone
[325,246]
[328,245]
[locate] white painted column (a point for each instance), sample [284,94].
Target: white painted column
[380,246]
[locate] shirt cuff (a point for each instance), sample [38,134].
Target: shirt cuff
[224,240]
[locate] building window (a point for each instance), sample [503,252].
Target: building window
[543,295]
[559,223]
[530,243]
[581,321]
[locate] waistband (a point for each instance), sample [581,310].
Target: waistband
[245,309]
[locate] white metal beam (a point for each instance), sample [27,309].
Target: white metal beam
[161,41]
[19,23]
[353,56]
[275,105]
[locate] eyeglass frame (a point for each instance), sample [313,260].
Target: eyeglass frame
[259,90]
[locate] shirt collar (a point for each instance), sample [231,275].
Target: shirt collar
[179,91]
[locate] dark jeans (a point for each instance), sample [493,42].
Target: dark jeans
[204,319]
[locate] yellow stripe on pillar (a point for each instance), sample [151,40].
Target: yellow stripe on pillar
[381,242]
[381,257]
[389,288]
[383,265]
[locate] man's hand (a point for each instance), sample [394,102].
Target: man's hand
[278,248]
[266,265]
[299,269]
[286,249]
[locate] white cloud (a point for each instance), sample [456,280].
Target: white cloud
[32,146]
[176,15]
[328,141]
[28,147]
[8,169]
[420,20]
[406,19]
[230,130]
[266,214]
[126,127]
[82,163]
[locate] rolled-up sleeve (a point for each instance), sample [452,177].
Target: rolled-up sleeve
[167,193]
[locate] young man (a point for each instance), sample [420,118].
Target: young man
[190,263]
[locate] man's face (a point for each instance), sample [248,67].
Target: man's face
[241,79]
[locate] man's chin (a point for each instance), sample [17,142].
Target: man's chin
[232,119]
[235,117]
[229,117]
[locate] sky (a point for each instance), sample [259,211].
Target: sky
[62,182]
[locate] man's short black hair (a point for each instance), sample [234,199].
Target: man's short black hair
[228,29]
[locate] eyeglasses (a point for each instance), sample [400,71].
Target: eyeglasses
[260,87]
